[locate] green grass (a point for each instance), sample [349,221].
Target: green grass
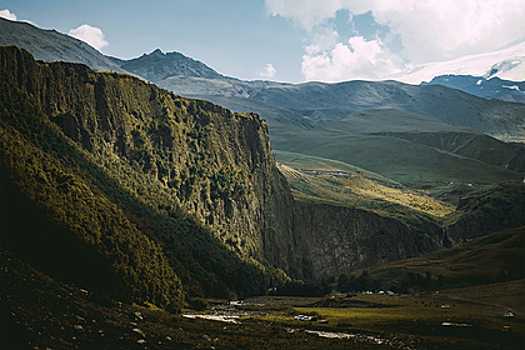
[403,147]
[406,316]
[319,180]
[392,143]
[414,165]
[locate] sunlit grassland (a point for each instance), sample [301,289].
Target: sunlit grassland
[407,309]
[321,180]
[510,138]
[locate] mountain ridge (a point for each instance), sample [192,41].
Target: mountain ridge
[186,76]
[51,45]
[492,88]
[158,65]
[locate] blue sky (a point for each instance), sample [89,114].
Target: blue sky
[286,40]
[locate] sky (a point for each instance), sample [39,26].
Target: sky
[286,40]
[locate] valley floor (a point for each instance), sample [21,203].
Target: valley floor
[39,313]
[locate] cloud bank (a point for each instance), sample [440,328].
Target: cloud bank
[356,59]
[91,35]
[428,30]
[7,15]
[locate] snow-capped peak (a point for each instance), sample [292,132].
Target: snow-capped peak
[507,63]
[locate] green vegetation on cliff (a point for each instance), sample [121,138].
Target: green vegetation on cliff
[146,184]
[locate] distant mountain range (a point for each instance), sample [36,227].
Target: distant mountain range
[296,113]
[158,66]
[315,102]
[507,63]
[493,88]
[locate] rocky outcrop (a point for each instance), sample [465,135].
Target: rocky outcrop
[338,240]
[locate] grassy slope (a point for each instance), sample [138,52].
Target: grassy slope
[393,143]
[359,140]
[490,259]
[320,180]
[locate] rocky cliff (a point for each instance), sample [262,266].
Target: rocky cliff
[185,174]
[339,239]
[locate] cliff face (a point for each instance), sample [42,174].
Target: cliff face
[215,164]
[338,239]
[139,174]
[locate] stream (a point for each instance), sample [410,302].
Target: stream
[231,314]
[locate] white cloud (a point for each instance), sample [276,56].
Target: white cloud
[91,35]
[305,13]
[446,29]
[429,30]
[268,71]
[7,15]
[358,59]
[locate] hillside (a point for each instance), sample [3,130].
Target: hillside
[495,258]
[318,180]
[321,102]
[415,151]
[487,209]
[50,45]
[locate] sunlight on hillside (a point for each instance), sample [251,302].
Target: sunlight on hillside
[347,187]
